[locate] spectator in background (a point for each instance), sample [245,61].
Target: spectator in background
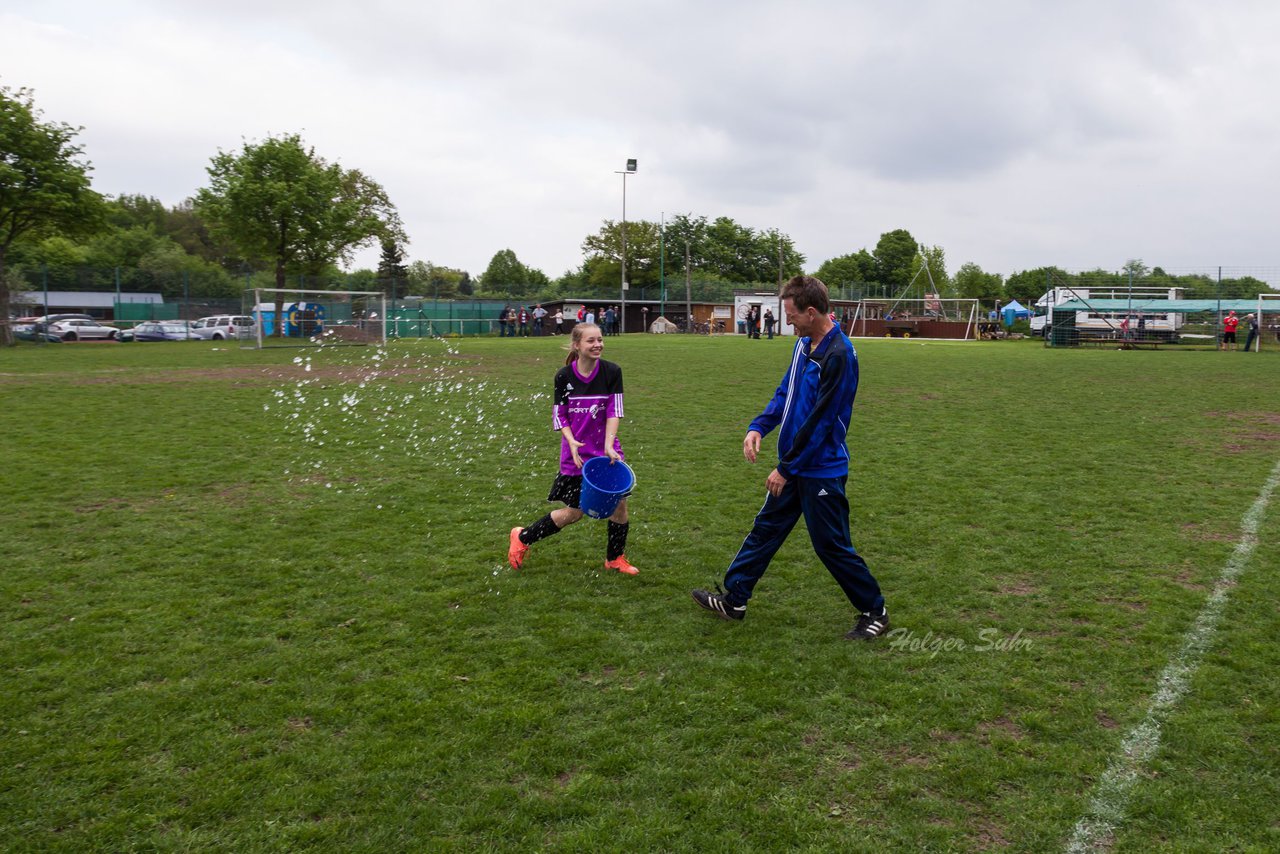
[608,321]
[539,319]
[1229,324]
[769,320]
[559,321]
[590,317]
[524,321]
[502,321]
[1253,331]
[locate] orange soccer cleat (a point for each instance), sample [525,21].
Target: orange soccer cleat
[621,564]
[517,550]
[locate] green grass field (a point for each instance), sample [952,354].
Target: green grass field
[258,601]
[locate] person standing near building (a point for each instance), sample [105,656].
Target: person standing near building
[539,319]
[1229,324]
[768,322]
[524,321]
[811,409]
[608,321]
[559,321]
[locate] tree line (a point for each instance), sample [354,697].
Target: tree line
[275,212]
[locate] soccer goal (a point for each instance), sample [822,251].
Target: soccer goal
[302,318]
[1268,318]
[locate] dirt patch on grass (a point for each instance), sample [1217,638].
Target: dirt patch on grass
[1201,532]
[1016,588]
[1123,603]
[902,756]
[1249,430]
[1184,579]
[1002,725]
[989,836]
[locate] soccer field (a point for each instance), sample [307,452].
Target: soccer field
[258,600]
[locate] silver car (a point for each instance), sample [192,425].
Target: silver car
[77,329]
[224,326]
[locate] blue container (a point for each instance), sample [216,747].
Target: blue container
[604,484]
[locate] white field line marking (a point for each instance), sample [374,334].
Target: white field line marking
[1111,794]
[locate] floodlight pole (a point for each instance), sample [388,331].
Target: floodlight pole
[631,168]
[662,258]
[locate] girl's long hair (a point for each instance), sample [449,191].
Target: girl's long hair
[575,338]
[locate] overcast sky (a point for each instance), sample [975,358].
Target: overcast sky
[1012,134]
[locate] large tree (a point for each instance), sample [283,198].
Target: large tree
[721,249]
[972,283]
[277,201]
[44,185]
[427,279]
[604,249]
[506,275]
[856,270]
[894,254]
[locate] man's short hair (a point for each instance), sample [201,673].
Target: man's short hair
[807,292]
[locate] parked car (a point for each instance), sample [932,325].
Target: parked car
[24,329]
[162,331]
[42,323]
[224,326]
[78,329]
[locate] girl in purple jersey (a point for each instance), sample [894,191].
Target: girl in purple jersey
[587,410]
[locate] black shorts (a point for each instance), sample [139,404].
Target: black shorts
[567,489]
[1228,338]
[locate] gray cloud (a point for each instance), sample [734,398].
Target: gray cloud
[1011,133]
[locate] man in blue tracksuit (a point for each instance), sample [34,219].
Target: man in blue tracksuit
[811,408]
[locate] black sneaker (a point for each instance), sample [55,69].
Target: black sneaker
[716,604]
[870,626]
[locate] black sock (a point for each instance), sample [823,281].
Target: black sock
[617,540]
[539,530]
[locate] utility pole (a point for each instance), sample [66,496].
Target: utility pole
[662,257]
[688,292]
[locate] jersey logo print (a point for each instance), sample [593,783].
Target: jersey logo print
[822,492]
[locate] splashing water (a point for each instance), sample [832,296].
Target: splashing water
[359,417]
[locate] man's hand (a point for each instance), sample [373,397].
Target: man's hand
[774,483]
[751,445]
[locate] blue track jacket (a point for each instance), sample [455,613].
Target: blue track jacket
[813,406]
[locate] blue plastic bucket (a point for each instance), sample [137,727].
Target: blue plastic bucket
[604,484]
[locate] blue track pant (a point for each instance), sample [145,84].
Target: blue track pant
[822,502]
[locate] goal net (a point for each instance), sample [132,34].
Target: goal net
[302,318]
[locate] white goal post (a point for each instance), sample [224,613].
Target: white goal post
[298,318]
[1268,318]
